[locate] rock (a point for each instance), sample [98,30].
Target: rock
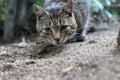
[22,44]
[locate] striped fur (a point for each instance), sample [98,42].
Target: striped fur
[60,20]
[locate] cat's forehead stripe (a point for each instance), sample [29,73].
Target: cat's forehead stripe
[55,20]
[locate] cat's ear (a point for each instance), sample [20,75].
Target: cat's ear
[68,7]
[39,11]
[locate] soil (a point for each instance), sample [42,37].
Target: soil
[97,58]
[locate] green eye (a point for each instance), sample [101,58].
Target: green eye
[48,29]
[63,27]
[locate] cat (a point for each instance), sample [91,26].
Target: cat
[61,21]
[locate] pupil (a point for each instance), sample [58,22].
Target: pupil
[64,27]
[48,29]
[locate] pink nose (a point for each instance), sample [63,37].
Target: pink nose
[57,39]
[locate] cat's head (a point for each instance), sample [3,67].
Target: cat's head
[57,24]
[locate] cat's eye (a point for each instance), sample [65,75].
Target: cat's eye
[63,27]
[48,29]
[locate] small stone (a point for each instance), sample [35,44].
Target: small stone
[67,69]
[22,44]
[3,52]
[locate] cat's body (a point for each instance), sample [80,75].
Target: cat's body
[60,20]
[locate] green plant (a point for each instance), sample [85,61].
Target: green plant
[98,6]
[2,12]
[40,2]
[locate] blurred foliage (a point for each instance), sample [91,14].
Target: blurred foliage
[101,7]
[2,11]
[40,2]
[97,6]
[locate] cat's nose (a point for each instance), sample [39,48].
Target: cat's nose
[57,39]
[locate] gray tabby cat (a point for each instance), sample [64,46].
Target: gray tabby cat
[61,21]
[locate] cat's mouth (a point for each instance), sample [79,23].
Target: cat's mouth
[57,43]
[61,40]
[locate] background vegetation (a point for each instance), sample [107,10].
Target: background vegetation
[102,7]
[17,17]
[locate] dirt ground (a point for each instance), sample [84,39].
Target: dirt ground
[95,59]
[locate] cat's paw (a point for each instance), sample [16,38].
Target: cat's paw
[81,38]
[76,38]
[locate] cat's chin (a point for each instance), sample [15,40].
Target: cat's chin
[57,44]
[53,42]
